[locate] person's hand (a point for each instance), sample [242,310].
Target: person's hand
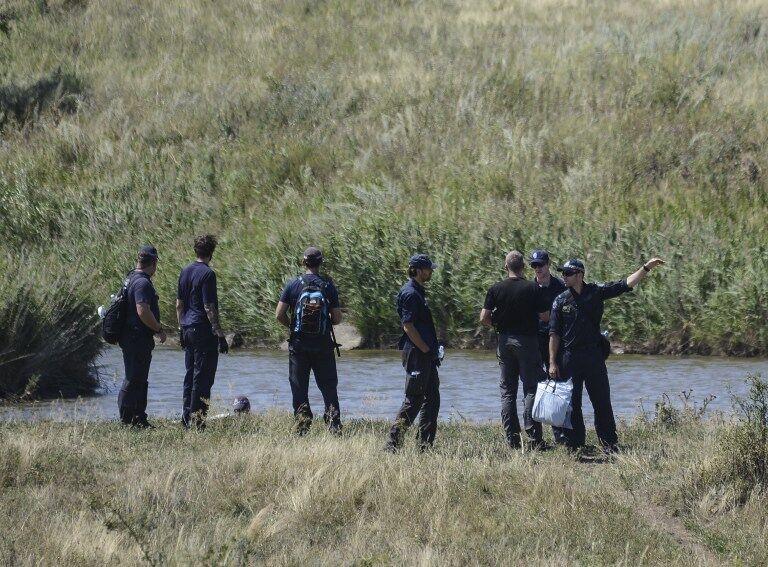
[161,334]
[223,345]
[554,371]
[181,339]
[653,262]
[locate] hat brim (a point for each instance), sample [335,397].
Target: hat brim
[569,269]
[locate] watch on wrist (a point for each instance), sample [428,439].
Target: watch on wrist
[646,268]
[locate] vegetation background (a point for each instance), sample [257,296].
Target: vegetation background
[608,130]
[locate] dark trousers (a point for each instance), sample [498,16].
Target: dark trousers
[201,357]
[132,398]
[322,362]
[422,396]
[587,369]
[519,357]
[559,434]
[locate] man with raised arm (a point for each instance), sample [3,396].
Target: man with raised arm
[136,340]
[200,333]
[574,327]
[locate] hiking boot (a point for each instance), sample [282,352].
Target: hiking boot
[611,450]
[335,430]
[515,442]
[143,424]
[536,445]
[390,448]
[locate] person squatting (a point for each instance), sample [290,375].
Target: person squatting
[547,328]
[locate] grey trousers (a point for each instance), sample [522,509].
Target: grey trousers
[519,357]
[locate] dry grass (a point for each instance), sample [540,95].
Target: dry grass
[247,492]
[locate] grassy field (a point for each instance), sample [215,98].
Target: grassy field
[609,130]
[247,492]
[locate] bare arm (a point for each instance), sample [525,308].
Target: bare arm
[179,311]
[281,314]
[554,346]
[485,317]
[148,318]
[415,337]
[213,316]
[638,276]
[335,316]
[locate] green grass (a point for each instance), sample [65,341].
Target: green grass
[248,492]
[608,130]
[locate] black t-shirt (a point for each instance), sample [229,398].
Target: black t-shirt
[141,290]
[515,305]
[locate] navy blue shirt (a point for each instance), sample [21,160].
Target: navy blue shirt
[141,290]
[197,288]
[576,317]
[555,288]
[412,307]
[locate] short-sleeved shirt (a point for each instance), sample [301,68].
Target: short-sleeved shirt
[555,288]
[292,291]
[412,307]
[196,289]
[576,317]
[141,290]
[515,305]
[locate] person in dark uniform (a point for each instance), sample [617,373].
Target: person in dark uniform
[314,304]
[512,306]
[575,328]
[420,357]
[200,334]
[551,286]
[136,341]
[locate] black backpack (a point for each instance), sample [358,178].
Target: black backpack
[114,318]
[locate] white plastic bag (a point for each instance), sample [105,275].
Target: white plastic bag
[552,404]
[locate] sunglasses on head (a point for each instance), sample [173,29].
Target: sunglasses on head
[537,264]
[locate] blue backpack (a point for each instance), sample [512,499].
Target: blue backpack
[311,315]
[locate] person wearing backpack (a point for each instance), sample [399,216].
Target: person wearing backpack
[420,357]
[142,323]
[313,301]
[574,327]
[200,334]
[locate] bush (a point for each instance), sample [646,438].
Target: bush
[740,466]
[48,342]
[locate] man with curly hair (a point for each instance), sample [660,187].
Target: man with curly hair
[200,333]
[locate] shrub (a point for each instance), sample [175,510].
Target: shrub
[740,466]
[48,342]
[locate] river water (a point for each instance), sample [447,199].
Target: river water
[371,385]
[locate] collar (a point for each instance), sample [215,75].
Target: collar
[417,286]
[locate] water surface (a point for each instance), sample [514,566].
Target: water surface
[371,384]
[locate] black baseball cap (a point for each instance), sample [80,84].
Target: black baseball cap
[241,404]
[572,265]
[421,261]
[539,257]
[148,250]
[313,255]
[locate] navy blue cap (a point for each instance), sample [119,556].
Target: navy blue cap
[241,404]
[148,250]
[313,255]
[421,261]
[539,257]
[572,265]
